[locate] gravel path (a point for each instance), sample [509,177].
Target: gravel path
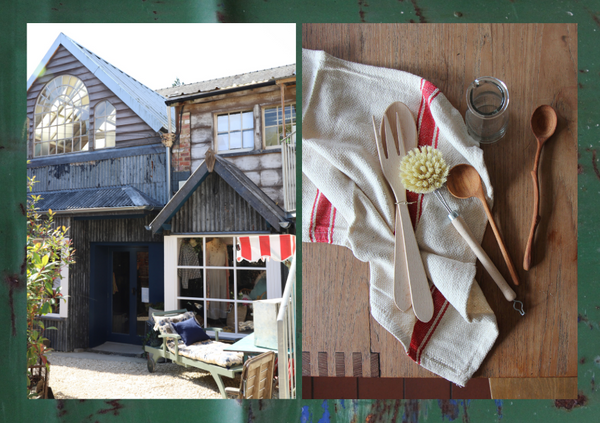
[91,375]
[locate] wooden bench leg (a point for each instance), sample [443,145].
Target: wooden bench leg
[220,384]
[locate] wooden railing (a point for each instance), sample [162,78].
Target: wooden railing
[286,337]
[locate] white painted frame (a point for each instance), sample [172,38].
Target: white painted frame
[172,245]
[264,127]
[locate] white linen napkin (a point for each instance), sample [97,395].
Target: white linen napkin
[346,201]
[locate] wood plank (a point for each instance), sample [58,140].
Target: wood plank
[335,307]
[426,388]
[476,388]
[534,388]
[335,388]
[538,62]
[380,388]
[307,388]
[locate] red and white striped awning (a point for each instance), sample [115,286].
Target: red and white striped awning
[260,247]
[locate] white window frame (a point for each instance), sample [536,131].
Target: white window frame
[264,126]
[172,245]
[216,131]
[104,117]
[47,131]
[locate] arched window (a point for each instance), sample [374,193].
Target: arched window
[61,117]
[105,122]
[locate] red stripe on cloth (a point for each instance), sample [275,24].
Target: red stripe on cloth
[285,245]
[323,224]
[265,246]
[422,332]
[332,225]
[312,218]
[427,127]
[245,249]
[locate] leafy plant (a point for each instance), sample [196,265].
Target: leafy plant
[48,252]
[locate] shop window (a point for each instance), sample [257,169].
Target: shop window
[235,131]
[105,122]
[274,121]
[61,117]
[219,289]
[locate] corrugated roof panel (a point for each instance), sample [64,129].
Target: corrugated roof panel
[94,198]
[228,82]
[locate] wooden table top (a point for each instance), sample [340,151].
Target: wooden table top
[538,62]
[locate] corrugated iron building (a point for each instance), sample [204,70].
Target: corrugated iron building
[96,150]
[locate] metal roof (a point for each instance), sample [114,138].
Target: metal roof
[221,84]
[95,200]
[247,189]
[145,102]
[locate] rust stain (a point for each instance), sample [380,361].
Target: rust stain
[361,12]
[221,17]
[250,414]
[582,360]
[594,162]
[411,411]
[584,319]
[449,409]
[579,169]
[60,406]
[595,18]
[13,283]
[569,404]
[115,407]
[418,11]
[466,412]
[23,211]
[370,418]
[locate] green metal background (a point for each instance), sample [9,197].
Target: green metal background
[13,18]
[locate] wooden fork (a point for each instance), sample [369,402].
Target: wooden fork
[407,261]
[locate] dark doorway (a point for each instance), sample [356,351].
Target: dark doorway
[129,281]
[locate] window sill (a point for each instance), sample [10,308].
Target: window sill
[250,152]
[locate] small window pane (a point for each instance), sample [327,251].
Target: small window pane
[45,149]
[110,139]
[68,146]
[100,109]
[248,139]
[248,120]
[222,142]
[271,117]
[222,123]
[100,141]
[84,143]
[271,136]
[235,140]
[235,122]
[61,147]
[37,150]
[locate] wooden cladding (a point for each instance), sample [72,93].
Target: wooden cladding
[216,207]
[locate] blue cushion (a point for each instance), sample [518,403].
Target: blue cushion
[190,331]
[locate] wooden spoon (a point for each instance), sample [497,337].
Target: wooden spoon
[543,125]
[464,182]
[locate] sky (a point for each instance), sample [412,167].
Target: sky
[157,54]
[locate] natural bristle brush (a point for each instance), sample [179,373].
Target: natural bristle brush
[425,171]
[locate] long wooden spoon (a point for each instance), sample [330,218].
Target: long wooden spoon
[464,182]
[543,125]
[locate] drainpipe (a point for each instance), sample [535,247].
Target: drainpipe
[168,143]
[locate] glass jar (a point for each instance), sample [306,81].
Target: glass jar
[487,113]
